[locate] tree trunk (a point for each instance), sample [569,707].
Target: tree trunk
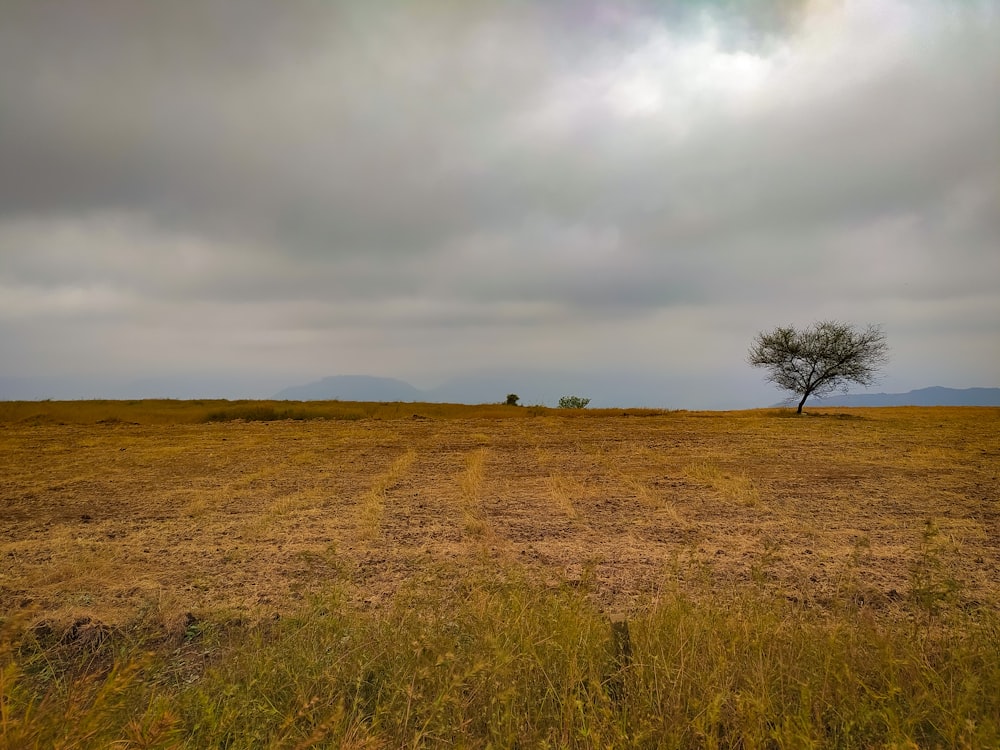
[799,411]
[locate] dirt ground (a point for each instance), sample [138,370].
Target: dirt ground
[117,521]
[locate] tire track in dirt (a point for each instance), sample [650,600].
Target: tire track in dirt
[429,515]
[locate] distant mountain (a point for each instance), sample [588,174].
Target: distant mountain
[934,396]
[352,388]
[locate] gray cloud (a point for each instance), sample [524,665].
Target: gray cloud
[423,185]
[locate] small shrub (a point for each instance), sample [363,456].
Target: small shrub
[573,402]
[512,399]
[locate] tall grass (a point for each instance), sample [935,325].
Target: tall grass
[495,661]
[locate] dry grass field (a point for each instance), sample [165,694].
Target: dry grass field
[116,514]
[107,519]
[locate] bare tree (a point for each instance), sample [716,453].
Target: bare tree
[821,359]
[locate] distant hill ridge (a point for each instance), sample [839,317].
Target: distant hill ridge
[606,390]
[933,396]
[491,388]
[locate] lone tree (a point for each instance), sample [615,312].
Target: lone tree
[512,399]
[573,402]
[821,359]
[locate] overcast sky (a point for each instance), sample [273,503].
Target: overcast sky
[423,189]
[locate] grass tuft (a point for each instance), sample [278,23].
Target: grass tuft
[737,487]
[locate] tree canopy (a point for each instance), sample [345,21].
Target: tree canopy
[820,359]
